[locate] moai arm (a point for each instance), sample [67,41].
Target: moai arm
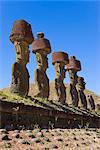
[37,80]
[15,73]
[57,87]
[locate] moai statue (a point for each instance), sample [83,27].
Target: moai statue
[21,36]
[41,47]
[98,107]
[59,60]
[91,102]
[73,67]
[82,97]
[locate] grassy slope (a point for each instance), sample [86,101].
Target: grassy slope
[33,91]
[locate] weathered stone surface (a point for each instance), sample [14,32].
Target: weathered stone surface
[20,79]
[98,107]
[16,135]
[4,137]
[59,59]
[91,102]
[22,141]
[74,64]
[21,36]
[73,94]
[73,67]
[41,44]
[40,76]
[21,31]
[3,131]
[82,97]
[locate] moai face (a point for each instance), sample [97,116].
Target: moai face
[81,83]
[42,61]
[60,70]
[22,52]
[73,77]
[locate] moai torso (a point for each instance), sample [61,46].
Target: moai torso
[82,97]
[72,88]
[20,79]
[73,67]
[20,74]
[41,47]
[91,102]
[59,84]
[21,36]
[42,83]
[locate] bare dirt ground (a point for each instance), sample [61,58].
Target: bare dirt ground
[51,139]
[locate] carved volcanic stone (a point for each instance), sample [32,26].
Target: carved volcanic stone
[41,43]
[21,31]
[81,94]
[59,57]
[74,64]
[20,80]
[91,102]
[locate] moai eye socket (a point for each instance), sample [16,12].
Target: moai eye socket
[18,53]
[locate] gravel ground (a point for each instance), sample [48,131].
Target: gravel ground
[60,139]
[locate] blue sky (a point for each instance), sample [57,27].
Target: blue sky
[71,26]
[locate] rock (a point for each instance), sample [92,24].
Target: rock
[3,131]
[16,131]
[60,140]
[40,134]
[29,149]
[46,139]
[4,137]
[75,138]
[22,141]
[66,144]
[88,134]
[7,145]
[30,135]
[54,146]
[29,131]
[52,134]
[46,148]
[44,130]
[77,145]
[16,135]
[58,134]
[37,140]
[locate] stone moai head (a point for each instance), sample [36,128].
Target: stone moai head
[73,67]
[59,59]
[81,83]
[21,36]
[41,47]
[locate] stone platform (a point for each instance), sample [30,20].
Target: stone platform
[28,112]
